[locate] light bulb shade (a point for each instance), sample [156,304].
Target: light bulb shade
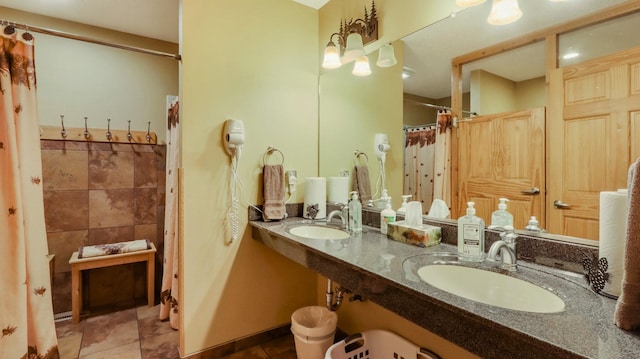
[469,3]
[504,12]
[361,67]
[386,56]
[331,57]
[354,48]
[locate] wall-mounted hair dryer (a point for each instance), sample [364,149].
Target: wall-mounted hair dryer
[233,137]
[382,146]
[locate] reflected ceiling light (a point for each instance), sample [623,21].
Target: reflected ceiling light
[352,36]
[570,55]
[504,12]
[361,67]
[386,56]
[469,3]
[407,72]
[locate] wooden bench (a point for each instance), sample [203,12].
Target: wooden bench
[80,264]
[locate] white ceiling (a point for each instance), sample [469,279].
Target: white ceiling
[430,50]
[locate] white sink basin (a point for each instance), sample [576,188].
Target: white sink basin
[319,232]
[491,288]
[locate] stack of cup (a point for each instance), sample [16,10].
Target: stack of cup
[413,217]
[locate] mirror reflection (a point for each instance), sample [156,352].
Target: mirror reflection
[510,82]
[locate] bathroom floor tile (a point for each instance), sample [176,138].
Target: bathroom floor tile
[163,346]
[129,351]
[69,346]
[145,311]
[152,326]
[252,353]
[66,328]
[280,345]
[104,334]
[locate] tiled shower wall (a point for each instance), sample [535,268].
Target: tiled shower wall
[96,193]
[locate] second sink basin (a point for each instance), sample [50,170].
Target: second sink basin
[319,232]
[491,288]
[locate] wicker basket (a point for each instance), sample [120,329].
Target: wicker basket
[377,344]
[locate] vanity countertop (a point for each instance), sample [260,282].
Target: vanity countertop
[384,271]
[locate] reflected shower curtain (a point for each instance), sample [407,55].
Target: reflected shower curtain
[26,310]
[442,162]
[169,292]
[419,151]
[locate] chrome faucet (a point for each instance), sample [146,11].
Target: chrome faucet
[343,214]
[506,247]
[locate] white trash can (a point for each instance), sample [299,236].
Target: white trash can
[313,329]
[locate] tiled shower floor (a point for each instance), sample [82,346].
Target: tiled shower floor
[138,334]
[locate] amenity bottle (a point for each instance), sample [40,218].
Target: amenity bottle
[501,217]
[388,215]
[471,236]
[355,213]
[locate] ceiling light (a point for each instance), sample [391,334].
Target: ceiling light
[504,12]
[386,56]
[407,72]
[361,67]
[469,3]
[570,55]
[331,56]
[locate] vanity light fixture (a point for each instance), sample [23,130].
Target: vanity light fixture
[504,12]
[386,56]
[361,67]
[351,38]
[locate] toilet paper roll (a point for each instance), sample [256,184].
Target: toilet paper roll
[315,198]
[612,235]
[338,189]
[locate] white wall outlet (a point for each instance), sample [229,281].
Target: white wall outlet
[292,180]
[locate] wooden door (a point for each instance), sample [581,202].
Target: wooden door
[502,155]
[593,136]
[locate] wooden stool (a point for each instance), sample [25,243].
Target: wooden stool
[80,264]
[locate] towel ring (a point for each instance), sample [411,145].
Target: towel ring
[270,151]
[358,153]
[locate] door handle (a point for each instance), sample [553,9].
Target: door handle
[531,192]
[561,205]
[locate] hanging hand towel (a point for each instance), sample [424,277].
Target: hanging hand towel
[362,184]
[627,314]
[113,248]
[273,181]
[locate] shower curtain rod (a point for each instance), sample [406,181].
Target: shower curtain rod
[439,107]
[71,36]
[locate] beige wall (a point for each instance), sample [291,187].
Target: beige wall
[414,114]
[531,93]
[78,79]
[494,94]
[255,61]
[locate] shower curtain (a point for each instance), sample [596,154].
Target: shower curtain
[26,310]
[442,161]
[169,292]
[419,152]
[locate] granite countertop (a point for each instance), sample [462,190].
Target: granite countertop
[384,271]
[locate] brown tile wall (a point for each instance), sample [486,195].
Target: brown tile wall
[96,193]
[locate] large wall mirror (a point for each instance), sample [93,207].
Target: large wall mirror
[507,81]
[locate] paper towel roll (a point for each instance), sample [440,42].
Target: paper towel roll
[613,229]
[315,198]
[338,190]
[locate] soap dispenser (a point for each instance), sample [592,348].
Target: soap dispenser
[355,213]
[388,215]
[403,208]
[471,236]
[501,217]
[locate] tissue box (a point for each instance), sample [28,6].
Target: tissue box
[424,236]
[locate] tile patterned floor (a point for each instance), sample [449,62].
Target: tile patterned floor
[138,334]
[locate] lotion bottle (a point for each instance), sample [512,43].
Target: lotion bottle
[403,208]
[471,236]
[500,217]
[388,215]
[355,213]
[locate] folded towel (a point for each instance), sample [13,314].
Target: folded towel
[362,184]
[627,314]
[113,248]
[273,190]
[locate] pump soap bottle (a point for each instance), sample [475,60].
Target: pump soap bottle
[388,215]
[355,213]
[403,208]
[500,217]
[471,236]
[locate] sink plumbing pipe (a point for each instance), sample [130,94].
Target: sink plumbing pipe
[339,296]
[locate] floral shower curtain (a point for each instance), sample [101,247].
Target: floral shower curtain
[169,294]
[419,152]
[442,161]
[26,310]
